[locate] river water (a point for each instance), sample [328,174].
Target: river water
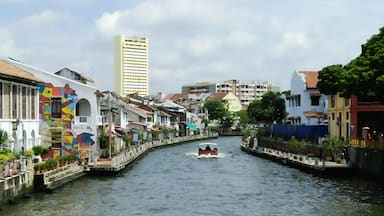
[172,181]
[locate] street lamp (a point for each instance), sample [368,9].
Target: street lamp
[15,127]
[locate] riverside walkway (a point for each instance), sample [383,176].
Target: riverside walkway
[113,165]
[303,162]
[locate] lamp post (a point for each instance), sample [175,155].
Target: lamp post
[17,122]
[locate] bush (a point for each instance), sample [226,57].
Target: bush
[37,150]
[45,150]
[4,157]
[29,153]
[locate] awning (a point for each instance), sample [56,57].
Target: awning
[191,126]
[313,114]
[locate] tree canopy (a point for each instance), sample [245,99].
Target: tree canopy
[217,110]
[362,76]
[270,108]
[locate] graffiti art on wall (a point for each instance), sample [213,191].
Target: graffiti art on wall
[62,123]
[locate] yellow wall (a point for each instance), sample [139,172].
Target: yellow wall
[234,104]
[334,112]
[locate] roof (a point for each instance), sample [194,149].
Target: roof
[311,79]
[77,76]
[10,70]
[217,96]
[207,143]
[178,96]
[313,114]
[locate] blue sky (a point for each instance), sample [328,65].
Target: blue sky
[190,40]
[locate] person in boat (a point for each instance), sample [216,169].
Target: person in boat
[208,148]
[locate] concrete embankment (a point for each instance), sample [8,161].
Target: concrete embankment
[302,162]
[122,160]
[16,180]
[52,179]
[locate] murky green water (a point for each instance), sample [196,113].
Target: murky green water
[172,181]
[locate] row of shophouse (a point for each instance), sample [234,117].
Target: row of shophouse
[352,118]
[64,112]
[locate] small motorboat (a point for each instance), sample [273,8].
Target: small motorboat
[208,150]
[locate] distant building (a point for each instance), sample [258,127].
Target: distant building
[199,87]
[246,92]
[131,65]
[233,102]
[306,105]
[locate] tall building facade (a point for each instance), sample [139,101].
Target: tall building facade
[245,91]
[131,65]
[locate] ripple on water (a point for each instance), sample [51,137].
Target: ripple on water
[172,181]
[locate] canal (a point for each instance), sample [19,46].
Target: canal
[172,181]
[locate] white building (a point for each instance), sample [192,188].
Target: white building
[68,111]
[131,65]
[306,105]
[19,107]
[247,91]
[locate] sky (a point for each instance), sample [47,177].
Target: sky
[190,40]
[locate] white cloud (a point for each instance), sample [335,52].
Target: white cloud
[240,39]
[292,40]
[42,21]
[189,40]
[108,23]
[7,45]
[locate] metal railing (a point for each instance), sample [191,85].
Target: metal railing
[364,143]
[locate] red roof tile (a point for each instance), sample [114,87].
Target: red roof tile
[311,79]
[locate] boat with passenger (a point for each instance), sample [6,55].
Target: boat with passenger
[208,150]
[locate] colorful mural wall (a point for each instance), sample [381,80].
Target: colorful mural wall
[57,130]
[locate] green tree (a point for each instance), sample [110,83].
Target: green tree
[270,108]
[330,79]
[244,119]
[362,76]
[217,109]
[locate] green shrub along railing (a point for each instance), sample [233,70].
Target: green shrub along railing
[52,164]
[296,146]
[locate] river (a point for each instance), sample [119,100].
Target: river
[172,181]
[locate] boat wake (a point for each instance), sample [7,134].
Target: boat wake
[196,155]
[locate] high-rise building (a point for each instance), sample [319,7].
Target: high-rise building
[131,65]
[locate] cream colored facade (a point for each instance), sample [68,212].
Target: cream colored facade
[339,122]
[234,104]
[131,65]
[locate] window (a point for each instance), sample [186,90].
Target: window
[315,100]
[24,102]
[333,100]
[333,116]
[298,102]
[14,102]
[33,103]
[347,115]
[56,108]
[347,101]
[7,101]
[1,100]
